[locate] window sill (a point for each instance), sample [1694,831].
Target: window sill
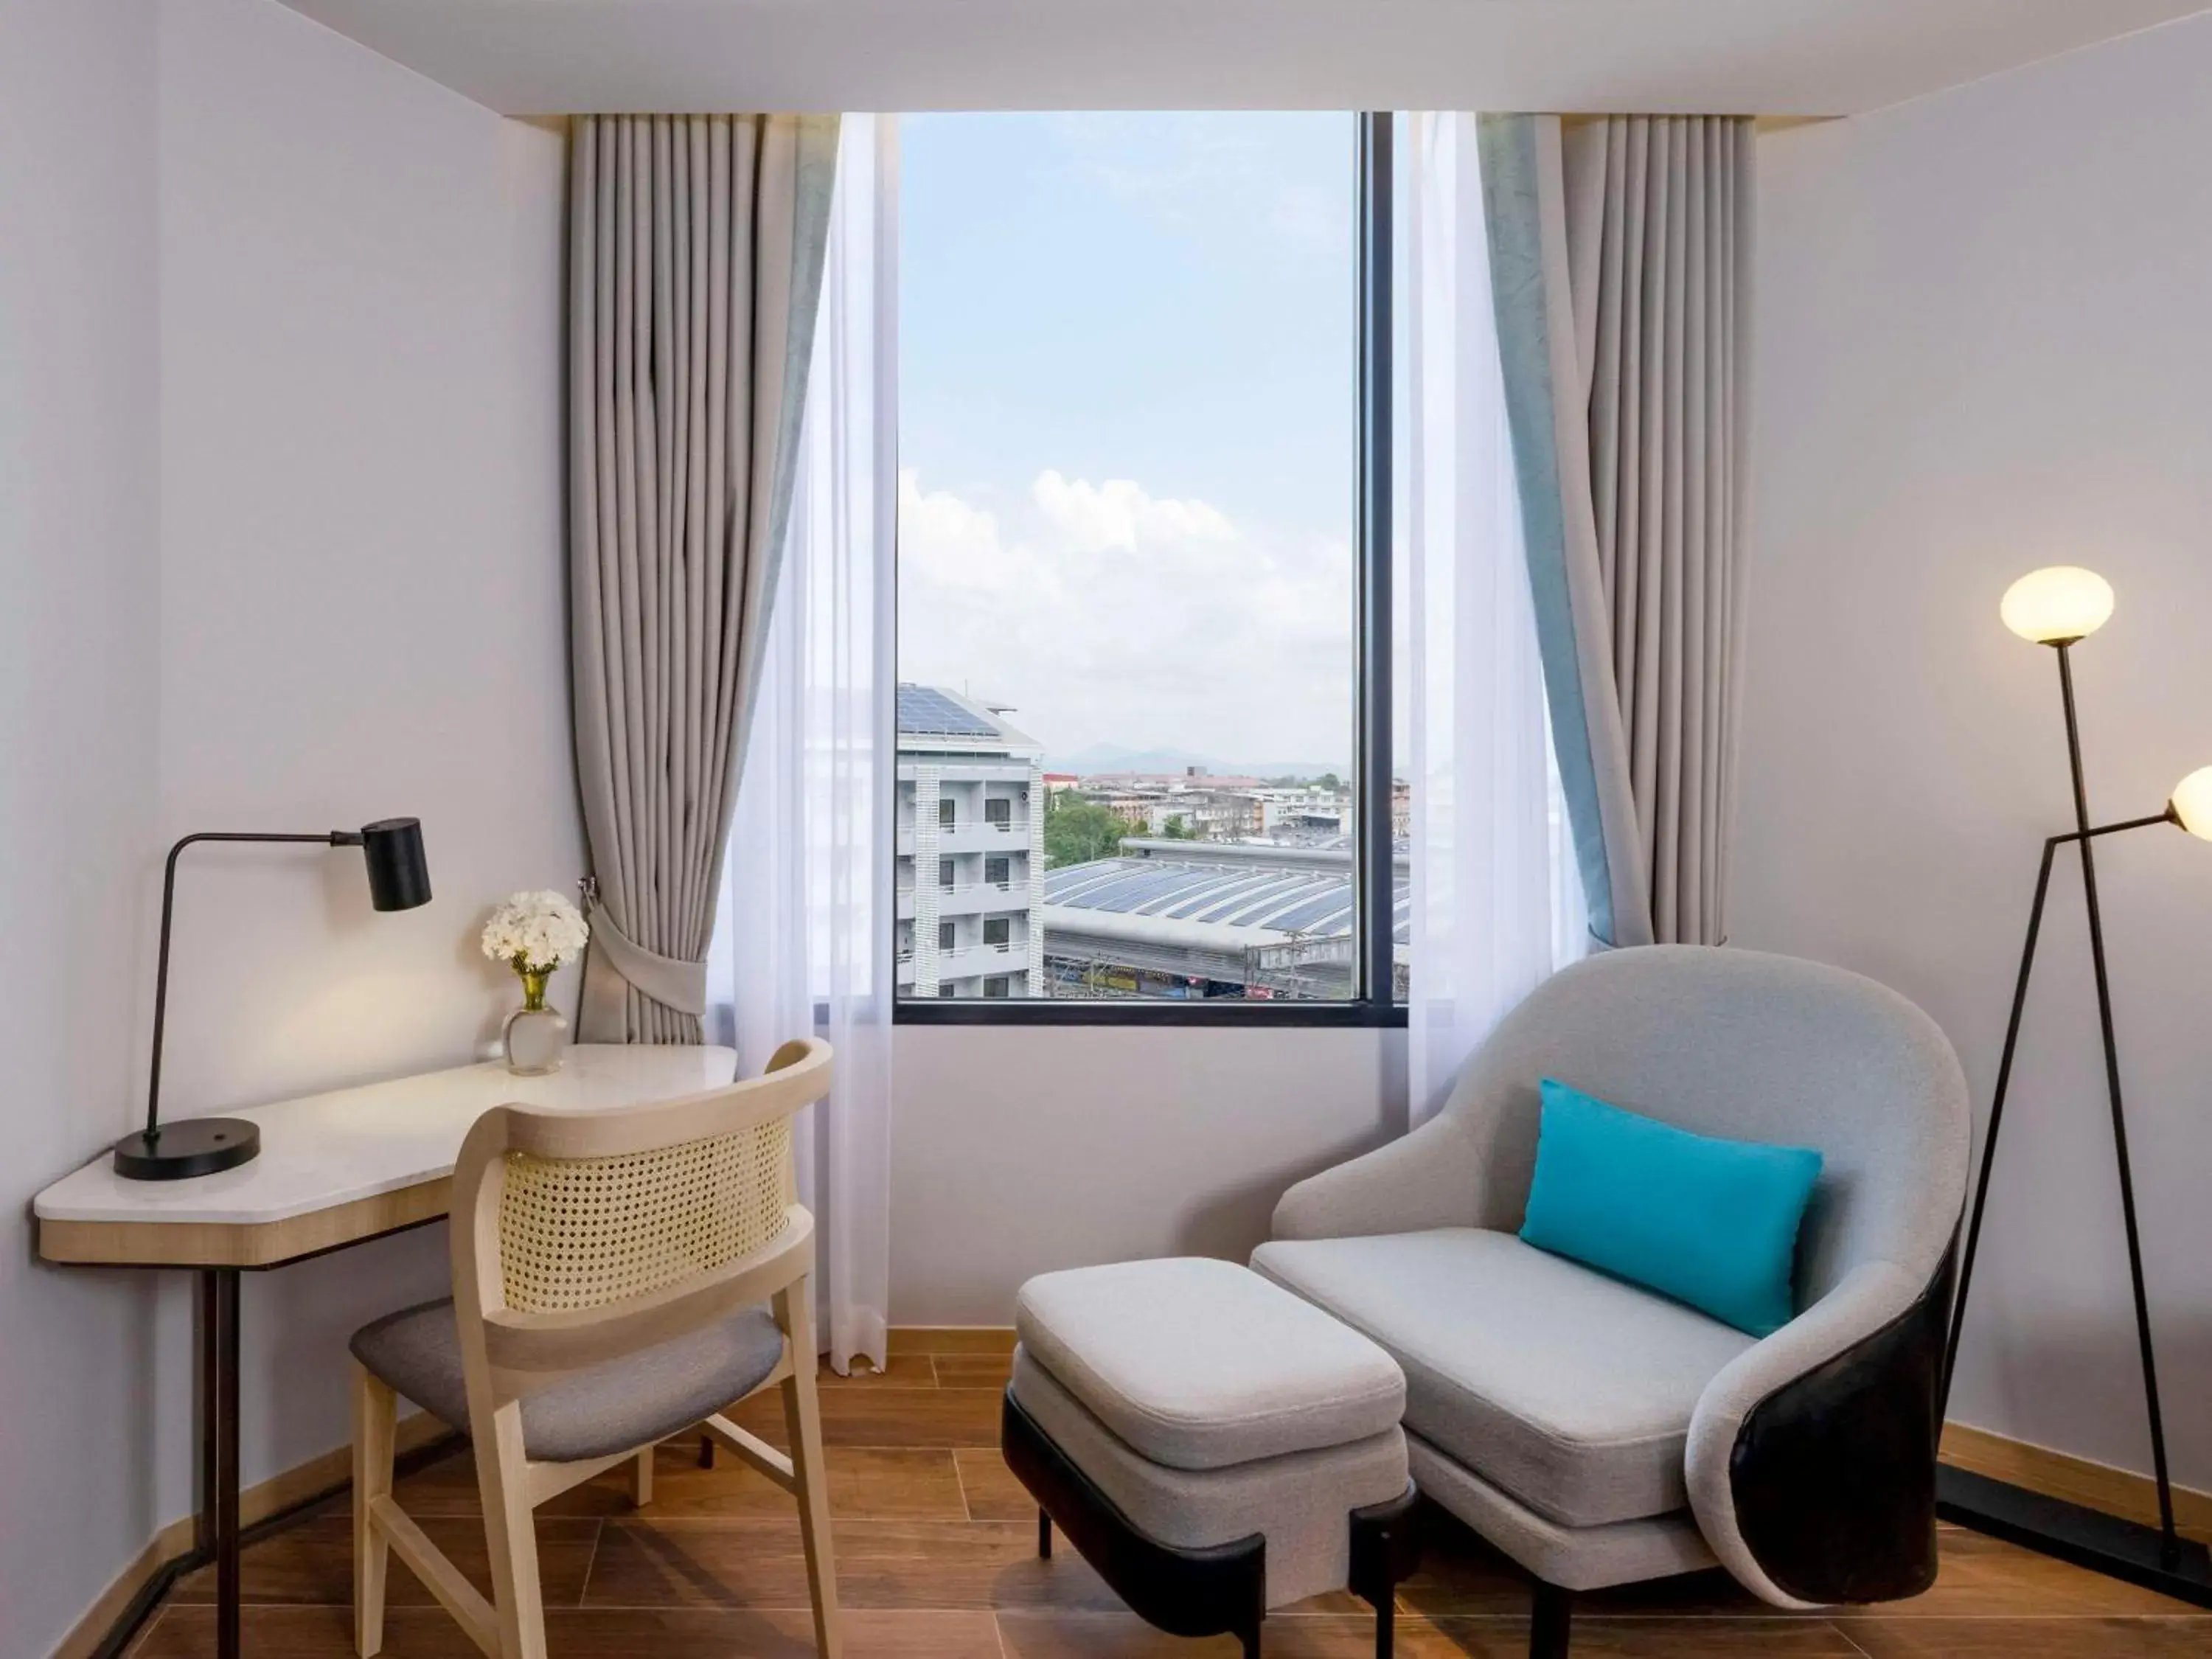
[1272,1016]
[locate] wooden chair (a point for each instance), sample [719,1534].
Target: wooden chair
[608,1272]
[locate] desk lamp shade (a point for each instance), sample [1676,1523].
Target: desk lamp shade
[399,876]
[2057,604]
[399,879]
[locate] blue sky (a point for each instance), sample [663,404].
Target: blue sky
[1126,424]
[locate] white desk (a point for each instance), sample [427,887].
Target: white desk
[338,1168]
[335,1168]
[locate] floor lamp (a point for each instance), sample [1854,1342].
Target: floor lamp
[2060,607]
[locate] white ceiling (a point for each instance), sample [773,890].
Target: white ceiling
[1759,56]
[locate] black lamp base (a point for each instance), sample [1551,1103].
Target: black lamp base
[2088,1538]
[197,1146]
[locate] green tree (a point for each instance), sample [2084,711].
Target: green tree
[1076,831]
[1175,829]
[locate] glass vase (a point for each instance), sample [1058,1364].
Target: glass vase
[535,1035]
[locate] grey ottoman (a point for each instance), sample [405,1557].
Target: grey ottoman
[1213,1445]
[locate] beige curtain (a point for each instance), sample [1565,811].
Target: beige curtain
[695,249]
[1621,251]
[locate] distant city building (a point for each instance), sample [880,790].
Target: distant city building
[1223,887]
[970,834]
[1202,806]
[1133,807]
[1206,921]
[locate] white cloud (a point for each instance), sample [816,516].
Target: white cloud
[1106,614]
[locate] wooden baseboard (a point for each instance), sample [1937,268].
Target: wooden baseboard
[256,1504]
[2057,1475]
[85,1636]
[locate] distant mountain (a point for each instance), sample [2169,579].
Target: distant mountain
[1115,757]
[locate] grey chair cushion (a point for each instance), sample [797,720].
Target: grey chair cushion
[615,1407]
[1200,1365]
[1569,1390]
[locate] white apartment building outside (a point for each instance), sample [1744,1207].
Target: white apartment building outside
[970,834]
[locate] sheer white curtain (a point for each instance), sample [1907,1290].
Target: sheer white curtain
[803,934]
[1497,901]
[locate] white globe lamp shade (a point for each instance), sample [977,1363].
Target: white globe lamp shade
[2192,802]
[2058,602]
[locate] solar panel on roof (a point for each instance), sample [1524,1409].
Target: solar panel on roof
[1287,900]
[924,711]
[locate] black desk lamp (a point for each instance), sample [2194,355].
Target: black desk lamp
[2060,607]
[399,879]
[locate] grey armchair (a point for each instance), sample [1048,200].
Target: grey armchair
[1598,1433]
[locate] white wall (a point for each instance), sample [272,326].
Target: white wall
[77,685]
[1019,1150]
[1982,346]
[280,525]
[361,605]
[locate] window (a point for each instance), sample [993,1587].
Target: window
[1144,516]
[946,818]
[944,872]
[944,932]
[945,993]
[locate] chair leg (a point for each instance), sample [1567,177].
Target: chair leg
[512,1535]
[1044,1535]
[375,1413]
[1547,1626]
[802,1418]
[640,1478]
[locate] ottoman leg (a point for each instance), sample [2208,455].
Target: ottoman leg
[1386,1547]
[1547,1626]
[1044,1534]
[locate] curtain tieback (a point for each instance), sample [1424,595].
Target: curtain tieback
[670,981]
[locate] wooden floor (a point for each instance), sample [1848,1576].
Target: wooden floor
[937,1555]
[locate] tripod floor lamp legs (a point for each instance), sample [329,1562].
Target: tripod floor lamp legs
[2159,1558]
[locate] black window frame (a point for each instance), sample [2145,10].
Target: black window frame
[1372,1003]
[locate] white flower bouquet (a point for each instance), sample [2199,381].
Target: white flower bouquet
[535,933]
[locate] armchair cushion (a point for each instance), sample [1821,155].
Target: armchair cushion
[1571,1391]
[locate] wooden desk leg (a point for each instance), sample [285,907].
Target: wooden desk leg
[218,1518]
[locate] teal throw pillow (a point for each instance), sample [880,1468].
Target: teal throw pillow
[1709,1222]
